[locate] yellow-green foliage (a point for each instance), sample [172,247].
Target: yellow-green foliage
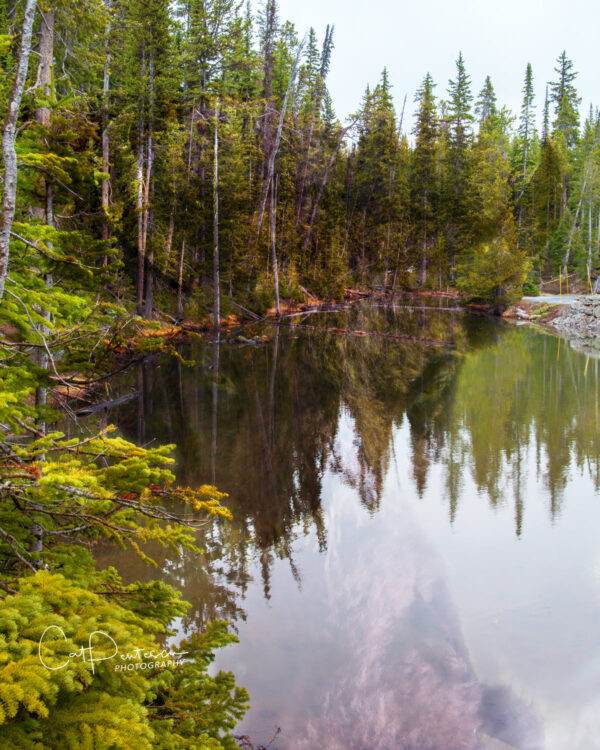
[55,488]
[100,707]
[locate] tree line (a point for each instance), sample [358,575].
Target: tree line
[192,151]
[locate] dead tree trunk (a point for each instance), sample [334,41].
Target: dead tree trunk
[9,186]
[45,212]
[274,244]
[320,87]
[275,149]
[575,220]
[147,214]
[324,183]
[105,138]
[140,198]
[216,262]
[182,253]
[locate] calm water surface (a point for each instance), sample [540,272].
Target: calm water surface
[414,560]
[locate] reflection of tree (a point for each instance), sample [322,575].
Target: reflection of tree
[518,396]
[261,422]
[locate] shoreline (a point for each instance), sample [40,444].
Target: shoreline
[575,319]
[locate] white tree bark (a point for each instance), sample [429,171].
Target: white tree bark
[275,149]
[216,260]
[9,186]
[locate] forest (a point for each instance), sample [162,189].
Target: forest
[190,147]
[182,160]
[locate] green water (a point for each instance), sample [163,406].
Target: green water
[414,560]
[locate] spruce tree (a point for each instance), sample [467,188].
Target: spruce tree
[566,102]
[424,176]
[485,107]
[459,139]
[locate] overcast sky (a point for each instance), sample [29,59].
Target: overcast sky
[497,37]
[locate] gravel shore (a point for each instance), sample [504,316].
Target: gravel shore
[577,318]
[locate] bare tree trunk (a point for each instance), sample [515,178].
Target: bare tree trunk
[140,217]
[216,284]
[147,212]
[589,263]
[180,281]
[575,220]
[319,91]
[46,59]
[170,232]
[45,213]
[274,244]
[275,149]
[42,116]
[597,281]
[401,121]
[140,200]
[105,138]
[324,183]
[182,253]
[9,186]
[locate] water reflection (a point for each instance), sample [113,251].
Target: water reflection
[331,448]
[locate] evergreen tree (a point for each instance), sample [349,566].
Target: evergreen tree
[566,102]
[494,268]
[485,107]
[459,139]
[425,184]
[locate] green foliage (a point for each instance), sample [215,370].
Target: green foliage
[494,268]
[51,699]
[530,288]
[494,273]
[565,100]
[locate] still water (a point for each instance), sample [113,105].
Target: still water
[414,560]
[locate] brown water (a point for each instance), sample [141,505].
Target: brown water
[414,560]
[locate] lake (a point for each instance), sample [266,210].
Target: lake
[414,560]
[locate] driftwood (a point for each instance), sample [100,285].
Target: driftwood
[377,334]
[106,405]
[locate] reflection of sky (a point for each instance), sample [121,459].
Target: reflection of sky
[404,621]
[530,607]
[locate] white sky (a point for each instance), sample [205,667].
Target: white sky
[497,37]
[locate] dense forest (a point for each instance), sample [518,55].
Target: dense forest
[184,160]
[188,147]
